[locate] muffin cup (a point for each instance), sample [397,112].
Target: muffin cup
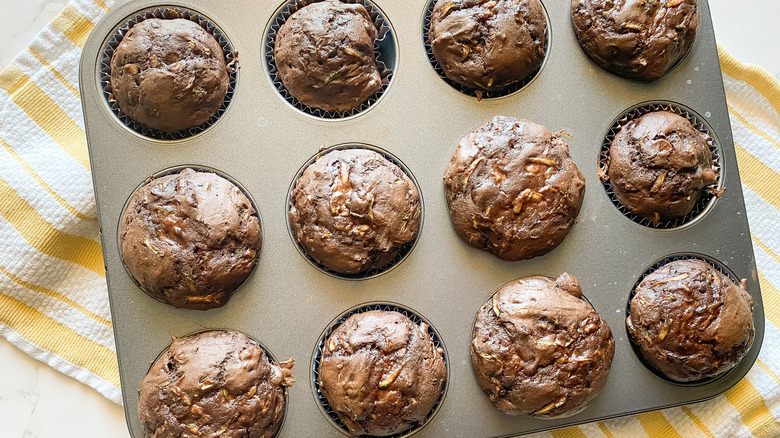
[271,358]
[473,92]
[655,266]
[231,59]
[385,52]
[707,198]
[405,249]
[416,318]
[172,171]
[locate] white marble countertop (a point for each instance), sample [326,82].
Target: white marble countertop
[38,402]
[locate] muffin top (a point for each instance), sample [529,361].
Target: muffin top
[512,189]
[169,74]
[539,349]
[636,39]
[352,210]
[381,373]
[690,321]
[324,54]
[660,165]
[214,384]
[190,239]
[488,45]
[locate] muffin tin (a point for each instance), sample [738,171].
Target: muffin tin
[262,141]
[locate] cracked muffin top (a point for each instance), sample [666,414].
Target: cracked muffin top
[324,54]
[636,39]
[488,45]
[352,210]
[169,74]
[381,373]
[214,384]
[539,349]
[190,239]
[690,321]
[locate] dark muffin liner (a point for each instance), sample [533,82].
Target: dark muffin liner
[720,267]
[707,198]
[403,252]
[317,356]
[172,171]
[384,54]
[231,58]
[510,89]
[271,358]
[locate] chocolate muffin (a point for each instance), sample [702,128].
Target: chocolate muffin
[169,74]
[636,39]
[659,166]
[381,373]
[488,45]
[539,349]
[512,189]
[352,210]
[190,239]
[690,321]
[214,384]
[324,54]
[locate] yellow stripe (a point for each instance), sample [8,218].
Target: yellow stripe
[59,339]
[768,370]
[56,296]
[761,80]
[45,186]
[656,425]
[759,177]
[102,5]
[751,406]
[771,298]
[752,127]
[697,422]
[605,430]
[766,249]
[569,432]
[74,25]
[57,74]
[45,113]
[45,238]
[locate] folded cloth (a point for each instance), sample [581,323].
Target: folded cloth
[53,298]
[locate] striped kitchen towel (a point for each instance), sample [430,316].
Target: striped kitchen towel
[53,299]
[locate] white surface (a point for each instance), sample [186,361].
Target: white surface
[38,402]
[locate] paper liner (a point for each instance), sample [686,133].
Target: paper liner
[474,92]
[673,258]
[405,249]
[384,54]
[706,199]
[416,318]
[231,60]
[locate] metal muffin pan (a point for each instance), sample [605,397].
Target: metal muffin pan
[262,141]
